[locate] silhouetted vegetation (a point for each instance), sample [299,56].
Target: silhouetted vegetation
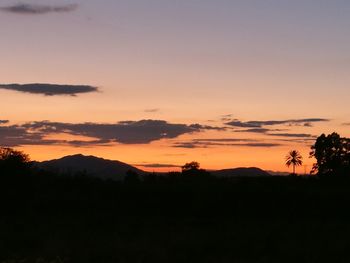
[295,159]
[188,216]
[13,162]
[332,153]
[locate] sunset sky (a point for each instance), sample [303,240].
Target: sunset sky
[158,83]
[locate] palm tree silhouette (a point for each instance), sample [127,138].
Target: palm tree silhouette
[294,158]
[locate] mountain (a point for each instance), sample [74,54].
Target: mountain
[243,172]
[91,165]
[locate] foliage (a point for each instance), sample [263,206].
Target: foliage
[294,158]
[332,153]
[190,166]
[13,161]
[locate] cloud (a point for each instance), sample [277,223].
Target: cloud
[188,145]
[260,124]
[4,122]
[346,124]
[226,117]
[261,144]
[206,143]
[50,89]
[206,127]
[35,9]
[294,135]
[152,110]
[15,135]
[255,130]
[298,140]
[222,140]
[158,165]
[124,132]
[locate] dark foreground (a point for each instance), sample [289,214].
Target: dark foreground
[60,219]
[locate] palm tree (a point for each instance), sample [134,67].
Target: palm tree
[294,158]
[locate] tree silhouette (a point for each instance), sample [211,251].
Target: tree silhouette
[294,158]
[192,166]
[13,161]
[332,153]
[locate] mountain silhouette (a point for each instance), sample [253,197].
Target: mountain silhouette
[243,172]
[116,170]
[89,165]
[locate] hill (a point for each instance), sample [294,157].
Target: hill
[241,172]
[91,165]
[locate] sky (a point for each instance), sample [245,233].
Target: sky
[158,83]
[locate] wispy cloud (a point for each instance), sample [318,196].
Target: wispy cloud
[3,121]
[293,135]
[151,110]
[35,9]
[254,130]
[50,89]
[224,140]
[260,124]
[158,165]
[226,117]
[206,143]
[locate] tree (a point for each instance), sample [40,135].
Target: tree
[193,171]
[192,166]
[294,158]
[332,154]
[13,162]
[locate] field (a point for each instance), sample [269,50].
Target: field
[48,218]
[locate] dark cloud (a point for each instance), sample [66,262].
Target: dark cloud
[254,130]
[293,135]
[188,145]
[262,144]
[125,132]
[297,140]
[224,140]
[4,122]
[206,127]
[260,124]
[79,143]
[158,165]
[35,9]
[206,143]
[15,135]
[346,124]
[50,89]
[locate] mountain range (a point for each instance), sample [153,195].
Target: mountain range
[116,170]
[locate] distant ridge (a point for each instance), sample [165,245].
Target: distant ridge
[91,165]
[116,170]
[241,172]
